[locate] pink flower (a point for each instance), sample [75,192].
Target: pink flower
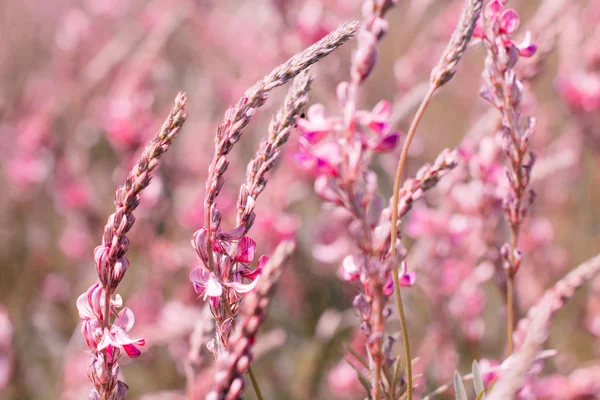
[317,126]
[252,274]
[503,24]
[99,337]
[91,303]
[406,279]
[580,90]
[386,143]
[322,159]
[206,283]
[379,118]
[349,270]
[117,335]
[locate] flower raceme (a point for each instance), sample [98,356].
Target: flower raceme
[99,337]
[501,24]
[353,268]
[321,146]
[233,253]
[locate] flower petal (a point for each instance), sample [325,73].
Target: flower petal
[213,287]
[234,234]
[253,274]
[85,311]
[199,244]
[509,21]
[245,250]
[131,350]
[125,319]
[388,143]
[199,278]
[407,280]
[349,270]
[241,287]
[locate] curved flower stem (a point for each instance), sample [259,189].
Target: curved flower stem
[409,137]
[510,314]
[404,339]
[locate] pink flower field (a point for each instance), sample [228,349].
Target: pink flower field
[300,199]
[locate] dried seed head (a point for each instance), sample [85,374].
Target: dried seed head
[446,67]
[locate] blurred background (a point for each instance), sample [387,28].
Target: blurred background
[84,84]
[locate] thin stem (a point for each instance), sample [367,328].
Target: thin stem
[377,358]
[401,163]
[403,155]
[255,384]
[404,339]
[397,366]
[510,315]
[207,219]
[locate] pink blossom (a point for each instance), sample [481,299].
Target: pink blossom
[117,335]
[317,126]
[503,23]
[406,279]
[323,159]
[349,270]
[206,283]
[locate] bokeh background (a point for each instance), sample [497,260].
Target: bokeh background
[84,84]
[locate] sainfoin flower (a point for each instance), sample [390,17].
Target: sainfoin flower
[99,337]
[503,23]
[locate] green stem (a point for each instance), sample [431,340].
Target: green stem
[255,384]
[510,315]
[408,358]
[401,163]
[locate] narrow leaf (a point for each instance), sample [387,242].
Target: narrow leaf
[459,387]
[358,357]
[478,380]
[361,377]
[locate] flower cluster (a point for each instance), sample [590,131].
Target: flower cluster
[504,90]
[324,142]
[235,361]
[338,150]
[231,276]
[105,337]
[497,25]
[106,340]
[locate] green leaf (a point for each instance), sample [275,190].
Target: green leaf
[362,378]
[478,380]
[459,387]
[358,357]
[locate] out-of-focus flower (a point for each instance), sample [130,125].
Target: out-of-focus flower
[502,24]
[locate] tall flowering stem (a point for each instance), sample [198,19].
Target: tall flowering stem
[372,30]
[338,150]
[440,75]
[233,252]
[226,256]
[237,117]
[106,336]
[235,361]
[503,89]
[532,331]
